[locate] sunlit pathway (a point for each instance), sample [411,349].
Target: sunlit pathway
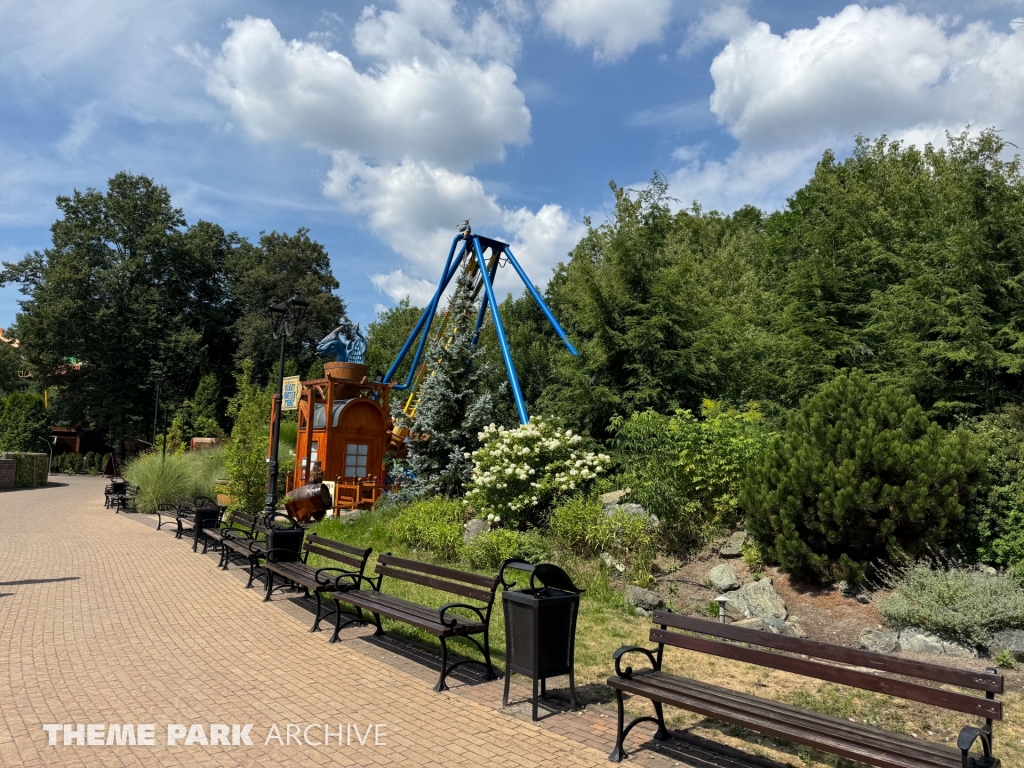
[104,621]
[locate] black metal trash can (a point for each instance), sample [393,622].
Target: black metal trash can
[284,545]
[540,626]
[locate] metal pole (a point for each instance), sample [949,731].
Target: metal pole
[499,328]
[428,316]
[540,302]
[163,453]
[427,313]
[483,306]
[275,434]
[156,410]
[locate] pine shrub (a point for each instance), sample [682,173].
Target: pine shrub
[859,475]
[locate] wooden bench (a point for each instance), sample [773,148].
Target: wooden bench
[440,622]
[822,661]
[326,580]
[126,501]
[239,524]
[115,490]
[252,546]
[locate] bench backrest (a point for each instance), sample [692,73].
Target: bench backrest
[471,585]
[991,682]
[242,521]
[347,554]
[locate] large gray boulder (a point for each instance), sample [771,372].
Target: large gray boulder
[1011,640]
[734,546]
[773,625]
[919,641]
[474,528]
[643,598]
[758,600]
[879,640]
[723,578]
[612,498]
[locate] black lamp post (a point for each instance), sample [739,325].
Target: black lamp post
[284,319]
[158,379]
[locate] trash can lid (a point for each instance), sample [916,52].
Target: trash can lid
[550,575]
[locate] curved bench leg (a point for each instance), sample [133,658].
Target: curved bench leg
[252,573]
[662,733]
[316,622]
[491,674]
[444,666]
[270,585]
[337,622]
[619,753]
[380,629]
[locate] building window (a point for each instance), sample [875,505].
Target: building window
[314,451]
[355,459]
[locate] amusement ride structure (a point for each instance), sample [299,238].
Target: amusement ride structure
[345,423]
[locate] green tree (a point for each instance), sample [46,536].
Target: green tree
[385,337]
[24,423]
[687,470]
[859,475]
[453,405]
[247,450]
[274,270]
[125,285]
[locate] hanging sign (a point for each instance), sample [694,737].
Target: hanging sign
[290,393]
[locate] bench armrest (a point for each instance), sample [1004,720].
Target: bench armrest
[447,607]
[269,554]
[628,671]
[325,582]
[966,740]
[357,578]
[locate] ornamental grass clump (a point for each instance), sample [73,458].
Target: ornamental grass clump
[961,604]
[519,474]
[433,524]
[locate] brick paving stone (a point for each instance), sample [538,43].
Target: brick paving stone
[104,620]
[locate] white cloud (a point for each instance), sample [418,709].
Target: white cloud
[397,285]
[415,207]
[421,99]
[722,23]
[615,28]
[785,98]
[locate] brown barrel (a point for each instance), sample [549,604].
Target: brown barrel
[309,502]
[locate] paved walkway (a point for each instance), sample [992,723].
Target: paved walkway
[105,621]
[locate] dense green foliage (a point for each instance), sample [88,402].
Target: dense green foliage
[687,470]
[1001,528]
[24,423]
[959,604]
[859,474]
[127,285]
[246,452]
[452,406]
[163,480]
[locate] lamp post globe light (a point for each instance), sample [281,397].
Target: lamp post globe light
[284,319]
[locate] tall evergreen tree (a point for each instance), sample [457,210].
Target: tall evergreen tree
[454,404]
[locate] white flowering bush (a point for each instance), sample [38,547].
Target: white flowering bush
[518,474]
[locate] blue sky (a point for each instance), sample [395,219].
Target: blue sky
[380,127]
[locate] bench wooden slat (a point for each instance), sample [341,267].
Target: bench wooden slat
[338,546]
[972,705]
[487,582]
[863,749]
[340,557]
[745,702]
[411,613]
[430,581]
[980,681]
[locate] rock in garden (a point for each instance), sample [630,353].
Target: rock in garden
[723,578]
[734,546]
[919,641]
[474,528]
[643,598]
[750,624]
[879,640]
[613,498]
[988,570]
[864,597]
[758,600]
[611,562]
[1011,640]
[845,588]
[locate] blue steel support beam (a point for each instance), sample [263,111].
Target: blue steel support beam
[483,305]
[499,328]
[540,302]
[427,316]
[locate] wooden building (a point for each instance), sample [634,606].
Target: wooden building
[343,430]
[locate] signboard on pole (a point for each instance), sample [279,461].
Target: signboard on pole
[290,393]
